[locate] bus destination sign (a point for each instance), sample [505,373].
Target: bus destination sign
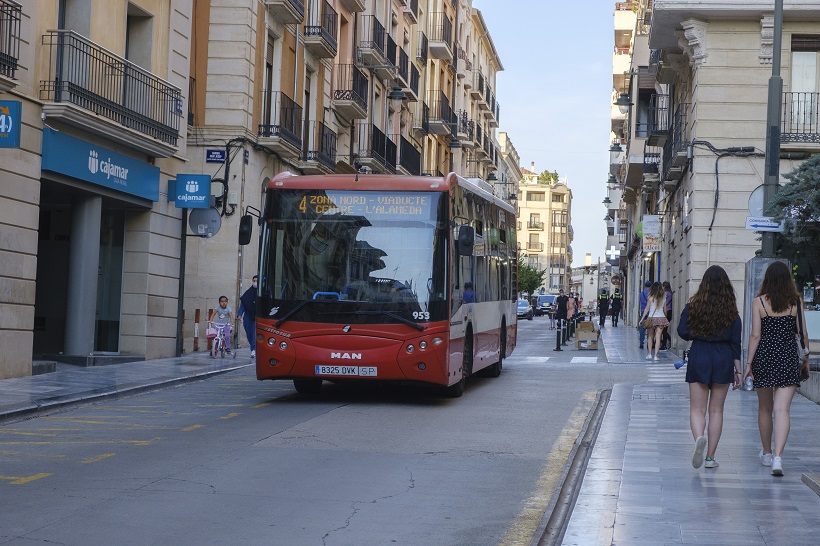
[369,203]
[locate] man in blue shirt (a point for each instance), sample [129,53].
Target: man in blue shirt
[644,299]
[469,295]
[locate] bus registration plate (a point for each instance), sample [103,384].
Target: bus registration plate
[359,371]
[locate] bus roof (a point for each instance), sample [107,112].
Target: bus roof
[375,182]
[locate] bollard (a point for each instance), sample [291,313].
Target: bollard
[564,331]
[558,337]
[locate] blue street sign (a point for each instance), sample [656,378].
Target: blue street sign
[215,155]
[11,112]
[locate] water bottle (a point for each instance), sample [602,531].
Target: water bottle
[680,363]
[749,385]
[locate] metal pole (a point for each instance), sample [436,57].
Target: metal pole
[772,167]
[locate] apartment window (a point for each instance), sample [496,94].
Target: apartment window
[535,220]
[805,52]
[557,197]
[535,196]
[139,36]
[559,218]
[267,91]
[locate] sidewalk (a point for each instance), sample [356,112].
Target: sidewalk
[640,488]
[71,384]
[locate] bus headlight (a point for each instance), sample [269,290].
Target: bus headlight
[422,345]
[410,348]
[283,345]
[437,341]
[271,341]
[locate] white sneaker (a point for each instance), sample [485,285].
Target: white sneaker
[777,466]
[765,458]
[649,357]
[710,463]
[697,456]
[253,354]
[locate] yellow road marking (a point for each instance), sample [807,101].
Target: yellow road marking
[97,458]
[192,427]
[230,415]
[107,423]
[80,442]
[526,522]
[31,455]
[21,433]
[17,480]
[262,405]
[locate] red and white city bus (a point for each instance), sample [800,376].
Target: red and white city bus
[363,277]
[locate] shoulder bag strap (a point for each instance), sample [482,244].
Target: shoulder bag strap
[800,329]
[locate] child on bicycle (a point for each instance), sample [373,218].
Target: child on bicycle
[223,318]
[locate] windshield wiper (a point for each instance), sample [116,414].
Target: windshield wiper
[293,312]
[394,316]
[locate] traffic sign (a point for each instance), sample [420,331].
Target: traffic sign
[763,223]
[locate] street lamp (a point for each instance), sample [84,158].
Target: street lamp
[623,103]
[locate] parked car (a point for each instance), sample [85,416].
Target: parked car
[525,309]
[544,304]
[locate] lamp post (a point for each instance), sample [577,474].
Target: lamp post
[772,167]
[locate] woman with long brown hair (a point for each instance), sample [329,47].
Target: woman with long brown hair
[711,322]
[772,359]
[655,312]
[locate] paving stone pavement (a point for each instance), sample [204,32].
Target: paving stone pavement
[640,488]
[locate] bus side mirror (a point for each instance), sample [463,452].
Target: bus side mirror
[466,240]
[245,229]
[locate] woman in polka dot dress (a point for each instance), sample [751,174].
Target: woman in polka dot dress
[772,359]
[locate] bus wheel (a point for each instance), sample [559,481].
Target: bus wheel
[494,370]
[307,386]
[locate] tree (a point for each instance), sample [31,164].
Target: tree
[547,177]
[529,278]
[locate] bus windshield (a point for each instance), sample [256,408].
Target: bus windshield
[354,257]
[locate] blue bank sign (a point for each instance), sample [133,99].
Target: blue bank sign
[11,112]
[190,191]
[77,158]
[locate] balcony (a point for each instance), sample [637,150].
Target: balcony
[535,247]
[353,5]
[10,15]
[282,131]
[422,48]
[478,137]
[441,115]
[320,156]
[441,37]
[478,87]
[350,93]
[675,148]
[286,11]
[412,92]
[800,122]
[535,225]
[421,120]
[464,129]
[403,69]
[320,30]
[464,70]
[409,158]
[484,99]
[99,92]
[375,150]
[411,12]
[658,125]
[373,42]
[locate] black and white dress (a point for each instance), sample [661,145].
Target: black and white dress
[775,362]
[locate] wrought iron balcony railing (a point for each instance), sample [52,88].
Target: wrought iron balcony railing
[409,157]
[441,28]
[10,14]
[800,120]
[91,77]
[674,150]
[374,144]
[323,145]
[373,36]
[423,48]
[351,84]
[284,120]
[322,19]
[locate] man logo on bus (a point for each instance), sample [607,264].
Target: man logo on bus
[346,356]
[346,329]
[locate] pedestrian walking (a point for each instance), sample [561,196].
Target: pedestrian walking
[711,322]
[603,307]
[641,308]
[247,312]
[774,360]
[666,339]
[615,305]
[655,316]
[561,306]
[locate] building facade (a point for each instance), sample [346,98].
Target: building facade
[127,105]
[693,136]
[90,251]
[545,228]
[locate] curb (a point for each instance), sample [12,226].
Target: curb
[553,525]
[40,409]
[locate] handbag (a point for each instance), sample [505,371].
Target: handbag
[802,351]
[646,324]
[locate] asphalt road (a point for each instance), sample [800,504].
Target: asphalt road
[232,460]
